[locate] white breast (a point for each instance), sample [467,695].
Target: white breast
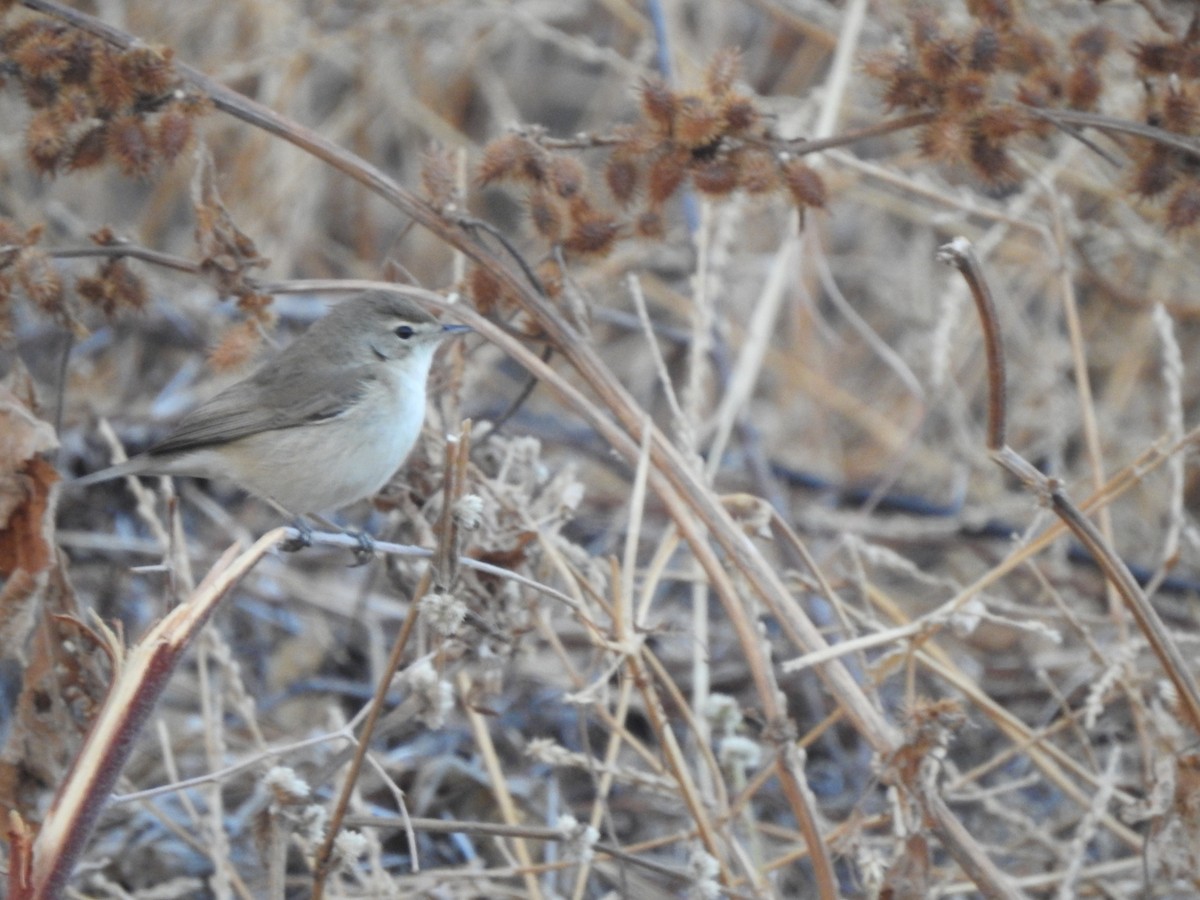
[321,467]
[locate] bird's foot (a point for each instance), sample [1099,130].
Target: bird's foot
[302,539]
[365,551]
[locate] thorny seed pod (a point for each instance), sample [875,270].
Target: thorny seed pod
[130,143]
[438,182]
[716,177]
[1092,43]
[666,174]
[565,175]
[1183,210]
[592,232]
[173,133]
[650,225]
[697,122]
[511,156]
[723,70]
[945,140]
[39,279]
[484,288]
[1180,110]
[1083,87]
[991,162]
[622,174]
[90,148]
[550,275]
[110,84]
[45,142]
[984,51]
[658,104]
[806,186]
[740,113]
[545,215]
[758,172]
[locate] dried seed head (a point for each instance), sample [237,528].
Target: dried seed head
[1092,43]
[484,288]
[1027,48]
[650,225]
[723,70]
[72,106]
[1180,111]
[7,329]
[907,88]
[715,177]
[1183,210]
[546,215]
[1084,86]
[437,176]
[1040,87]
[1001,122]
[114,287]
[45,142]
[697,122]
[565,175]
[41,53]
[285,786]
[80,52]
[945,140]
[658,104]
[130,143]
[444,613]
[666,174]
[621,174]
[984,51]
[149,69]
[592,232]
[740,113]
[40,92]
[806,186]
[991,162]
[1158,58]
[995,12]
[236,347]
[113,91]
[512,156]
[758,172]
[39,279]
[968,93]
[550,274]
[173,133]
[940,59]
[90,148]
[923,27]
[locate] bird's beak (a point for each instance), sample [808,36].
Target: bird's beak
[449,328]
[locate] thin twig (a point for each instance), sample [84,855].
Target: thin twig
[961,255]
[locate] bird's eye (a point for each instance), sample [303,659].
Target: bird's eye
[404,332]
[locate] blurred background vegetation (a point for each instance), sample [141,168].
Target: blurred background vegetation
[733,209]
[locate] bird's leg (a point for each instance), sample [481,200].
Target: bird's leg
[302,539]
[364,552]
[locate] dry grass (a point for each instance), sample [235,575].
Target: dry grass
[777,625]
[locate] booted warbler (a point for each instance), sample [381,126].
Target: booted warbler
[325,422]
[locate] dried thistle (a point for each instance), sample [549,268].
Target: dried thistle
[438,181]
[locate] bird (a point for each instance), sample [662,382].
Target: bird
[321,424]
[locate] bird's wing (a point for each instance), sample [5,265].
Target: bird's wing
[263,403]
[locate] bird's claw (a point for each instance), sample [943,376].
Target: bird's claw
[302,539]
[365,551]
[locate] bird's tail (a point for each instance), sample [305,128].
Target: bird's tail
[120,470]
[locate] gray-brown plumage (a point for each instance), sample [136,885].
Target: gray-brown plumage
[323,423]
